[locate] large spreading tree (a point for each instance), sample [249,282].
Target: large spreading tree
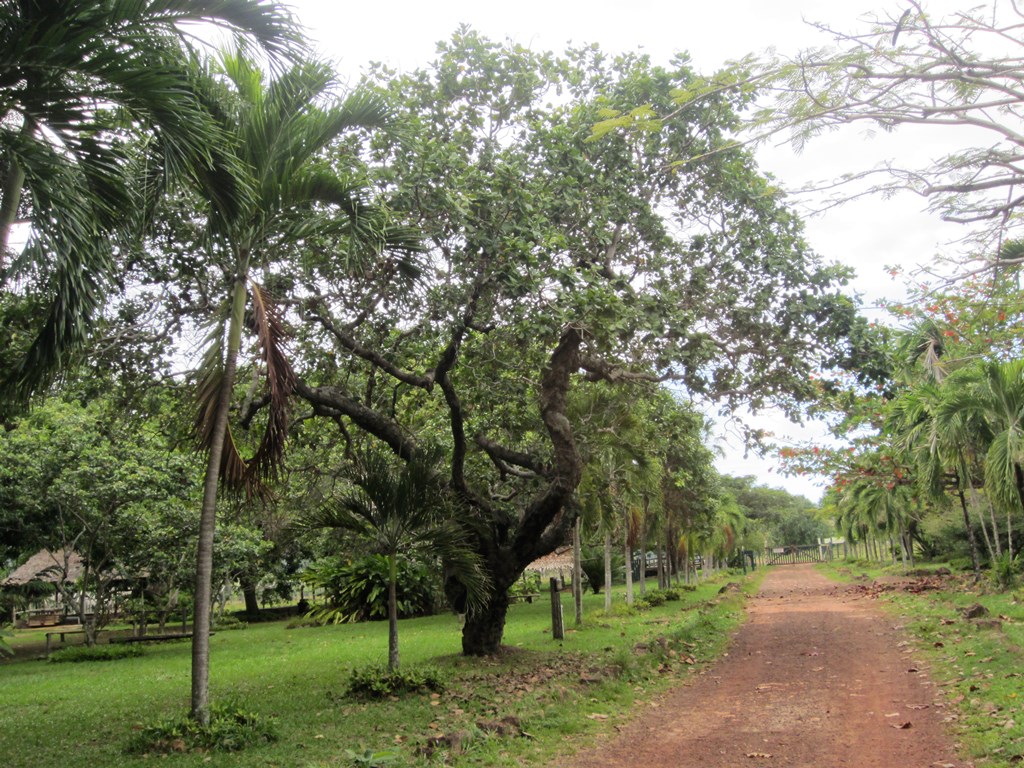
[556,260]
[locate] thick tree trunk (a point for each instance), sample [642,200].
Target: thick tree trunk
[481,635]
[252,601]
[207,517]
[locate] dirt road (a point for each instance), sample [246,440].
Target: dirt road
[816,678]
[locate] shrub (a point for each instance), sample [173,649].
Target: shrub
[305,621]
[231,729]
[623,662]
[378,682]
[618,610]
[527,584]
[592,564]
[227,622]
[1005,570]
[651,599]
[111,652]
[358,591]
[671,595]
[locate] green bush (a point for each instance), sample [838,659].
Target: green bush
[231,729]
[592,564]
[80,653]
[527,584]
[1005,572]
[378,682]
[671,595]
[620,610]
[227,622]
[651,599]
[358,590]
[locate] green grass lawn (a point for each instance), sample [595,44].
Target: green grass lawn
[560,693]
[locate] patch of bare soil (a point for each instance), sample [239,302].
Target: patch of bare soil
[817,677]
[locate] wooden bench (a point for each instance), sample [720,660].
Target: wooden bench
[61,632]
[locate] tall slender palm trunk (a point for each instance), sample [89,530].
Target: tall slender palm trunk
[627,551]
[10,197]
[208,514]
[577,572]
[393,659]
[607,571]
[972,540]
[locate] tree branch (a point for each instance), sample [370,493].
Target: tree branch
[382,428]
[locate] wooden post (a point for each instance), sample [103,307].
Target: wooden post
[557,629]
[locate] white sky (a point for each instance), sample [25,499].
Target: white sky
[869,235]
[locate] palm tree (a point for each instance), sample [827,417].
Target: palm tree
[77,82]
[992,396]
[939,448]
[879,507]
[404,513]
[613,445]
[277,132]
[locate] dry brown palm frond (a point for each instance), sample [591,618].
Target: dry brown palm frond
[233,468]
[683,548]
[729,534]
[635,520]
[267,324]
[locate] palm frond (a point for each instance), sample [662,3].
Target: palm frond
[925,345]
[68,256]
[452,543]
[233,470]
[265,23]
[270,331]
[635,522]
[1003,461]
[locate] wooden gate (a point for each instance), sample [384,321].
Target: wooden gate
[791,555]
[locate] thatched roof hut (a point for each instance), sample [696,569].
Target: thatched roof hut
[559,561]
[46,567]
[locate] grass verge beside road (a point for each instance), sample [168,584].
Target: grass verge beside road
[526,706]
